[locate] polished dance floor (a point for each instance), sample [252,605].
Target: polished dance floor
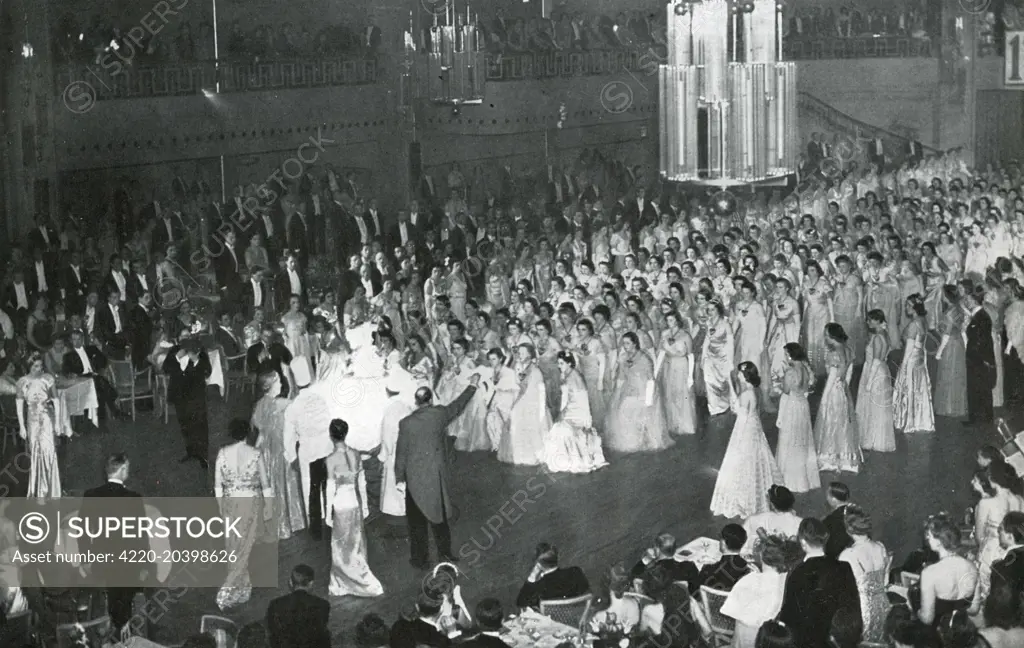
[503,511]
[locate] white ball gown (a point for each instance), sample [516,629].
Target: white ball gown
[748,468]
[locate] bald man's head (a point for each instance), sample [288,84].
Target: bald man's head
[424,396]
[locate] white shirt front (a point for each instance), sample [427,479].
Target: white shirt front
[6,325]
[295,282]
[90,318]
[316,204]
[269,224]
[117,318]
[122,285]
[170,230]
[143,282]
[41,277]
[403,232]
[84,357]
[257,293]
[20,296]
[234,256]
[412,218]
[368,286]
[376,221]
[45,233]
[78,273]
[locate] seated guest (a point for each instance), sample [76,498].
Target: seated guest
[92,303]
[110,332]
[816,589]
[1003,627]
[731,567]
[624,610]
[780,520]
[17,298]
[837,496]
[225,336]
[547,581]
[53,360]
[1010,569]
[141,323]
[664,553]
[757,597]
[668,622]
[83,360]
[421,628]
[489,616]
[299,619]
[950,583]
[372,632]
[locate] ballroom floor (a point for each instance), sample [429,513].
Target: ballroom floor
[594,519]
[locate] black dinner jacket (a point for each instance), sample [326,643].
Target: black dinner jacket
[394,237]
[406,633]
[140,330]
[279,355]
[721,575]
[299,620]
[677,570]
[11,298]
[375,232]
[484,641]
[186,384]
[104,326]
[283,288]
[71,364]
[229,342]
[980,353]
[227,268]
[74,287]
[815,590]
[159,238]
[36,240]
[563,583]
[838,538]
[32,281]
[133,506]
[1009,570]
[135,289]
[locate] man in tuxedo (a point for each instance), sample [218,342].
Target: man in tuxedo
[119,599]
[18,298]
[814,151]
[43,237]
[110,327]
[299,619]
[402,232]
[225,336]
[816,589]
[981,363]
[1009,570]
[731,567]
[422,463]
[42,276]
[188,368]
[663,554]
[641,211]
[256,293]
[227,267]
[268,355]
[116,279]
[837,496]
[547,581]
[73,281]
[421,222]
[141,322]
[372,220]
[290,282]
[876,153]
[489,618]
[914,152]
[349,281]
[138,282]
[167,229]
[82,360]
[421,631]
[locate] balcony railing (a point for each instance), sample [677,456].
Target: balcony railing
[549,65]
[234,76]
[803,49]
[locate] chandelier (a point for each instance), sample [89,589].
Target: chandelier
[728,105]
[450,69]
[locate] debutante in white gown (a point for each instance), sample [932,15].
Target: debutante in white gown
[748,468]
[522,441]
[572,444]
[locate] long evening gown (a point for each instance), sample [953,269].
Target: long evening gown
[934,280]
[750,333]
[815,318]
[296,337]
[285,480]
[589,355]
[870,564]
[717,359]
[499,407]
[835,428]
[241,483]
[874,398]
[748,468]
[39,429]
[350,572]
[951,369]
[454,379]
[796,454]
[849,311]
[912,393]
[529,421]
[785,328]
[547,362]
[636,419]
[676,395]
[883,293]
[572,444]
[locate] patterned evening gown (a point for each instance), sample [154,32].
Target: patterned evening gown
[796,454]
[849,313]
[40,432]
[241,483]
[912,393]
[816,316]
[589,357]
[636,419]
[350,571]
[870,564]
[285,480]
[874,398]
[951,370]
[835,428]
[748,468]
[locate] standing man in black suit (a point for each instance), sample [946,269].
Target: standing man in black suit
[73,282]
[816,589]
[119,599]
[141,322]
[981,362]
[82,360]
[837,496]
[110,329]
[188,368]
[227,267]
[42,276]
[422,222]
[139,282]
[547,581]
[402,232]
[914,152]
[372,219]
[167,229]
[349,281]
[299,619]
[43,237]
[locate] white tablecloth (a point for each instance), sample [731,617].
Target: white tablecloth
[530,630]
[75,396]
[702,551]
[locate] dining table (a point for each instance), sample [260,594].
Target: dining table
[76,395]
[531,629]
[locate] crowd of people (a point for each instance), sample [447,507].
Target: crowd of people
[562,322]
[910,19]
[568,31]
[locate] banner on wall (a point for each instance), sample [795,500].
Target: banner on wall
[1013,62]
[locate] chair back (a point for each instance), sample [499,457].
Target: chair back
[17,631]
[225,631]
[69,635]
[121,374]
[722,626]
[572,612]
[235,363]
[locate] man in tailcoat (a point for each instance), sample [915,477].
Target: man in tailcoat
[981,362]
[421,463]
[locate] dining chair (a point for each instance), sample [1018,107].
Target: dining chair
[234,373]
[95,633]
[722,627]
[131,385]
[571,612]
[225,631]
